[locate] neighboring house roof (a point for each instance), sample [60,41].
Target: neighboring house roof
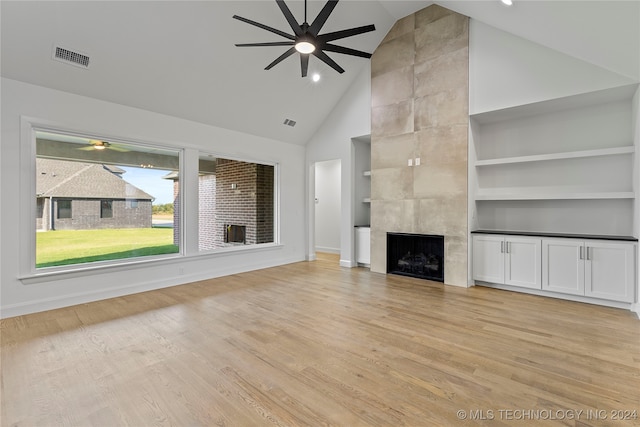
[60,178]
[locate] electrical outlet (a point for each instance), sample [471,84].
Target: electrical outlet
[417,161]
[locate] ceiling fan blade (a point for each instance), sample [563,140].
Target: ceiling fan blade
[322,17]
[280,58]
[290,18]
[119,149]
[291,43]
[325,58]
[264,27]
[346,33]
[345,50]
[304,64]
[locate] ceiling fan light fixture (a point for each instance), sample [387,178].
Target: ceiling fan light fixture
[99,147]
[304,46]
[507,2]
[306,39]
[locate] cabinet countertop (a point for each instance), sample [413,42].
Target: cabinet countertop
[561,235]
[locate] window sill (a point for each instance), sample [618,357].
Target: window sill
[79,270]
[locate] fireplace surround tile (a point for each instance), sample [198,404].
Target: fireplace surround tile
[396,53]
[393,119]
[393,151]
[392,87]
[430,198]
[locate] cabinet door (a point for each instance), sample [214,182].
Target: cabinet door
[610,270]
[488,258]
[562,266]
[363,245]
[522,262]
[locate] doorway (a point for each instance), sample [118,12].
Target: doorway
[327,206]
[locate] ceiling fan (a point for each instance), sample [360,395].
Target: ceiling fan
[96,144]
[306,39]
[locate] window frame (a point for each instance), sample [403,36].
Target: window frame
[188,155]
[29,273]
[59,208]
[106,210]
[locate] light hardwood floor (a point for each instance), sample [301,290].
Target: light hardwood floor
[316,344]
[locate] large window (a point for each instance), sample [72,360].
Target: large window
[236,203]
[97,200]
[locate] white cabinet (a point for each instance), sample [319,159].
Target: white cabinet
[488,258]
[563,266]
[363,245]
[592,268]
[509,260]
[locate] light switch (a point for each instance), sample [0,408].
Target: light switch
[410,162]
[417,161]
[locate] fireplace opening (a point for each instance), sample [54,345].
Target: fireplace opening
[235,233]
[416,255]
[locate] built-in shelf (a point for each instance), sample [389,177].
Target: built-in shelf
[559,165]
[599,97]
[523,195]
[366,173]
[557,235]
[366,200]
[557,156]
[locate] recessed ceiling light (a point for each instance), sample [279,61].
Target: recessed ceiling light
[507,2]
[315,77]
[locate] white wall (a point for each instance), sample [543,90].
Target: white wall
[350,118]
[506,70]
[72,112]
[327,200]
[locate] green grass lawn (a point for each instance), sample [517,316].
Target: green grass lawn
[64,247]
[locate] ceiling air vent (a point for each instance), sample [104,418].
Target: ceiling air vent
[288,122]
[70,57]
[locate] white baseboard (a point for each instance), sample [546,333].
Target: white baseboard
[347,263]
[636,309]
[328,250]
[577,298]
[45,304]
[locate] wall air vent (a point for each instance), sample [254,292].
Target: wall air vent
[70,57]
[288,122]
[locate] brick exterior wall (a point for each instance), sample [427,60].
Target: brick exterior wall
[264,207]
[207,212]
[42,214]
[249,204]
[85,215]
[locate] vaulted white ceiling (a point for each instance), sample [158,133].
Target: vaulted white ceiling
[178,57]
